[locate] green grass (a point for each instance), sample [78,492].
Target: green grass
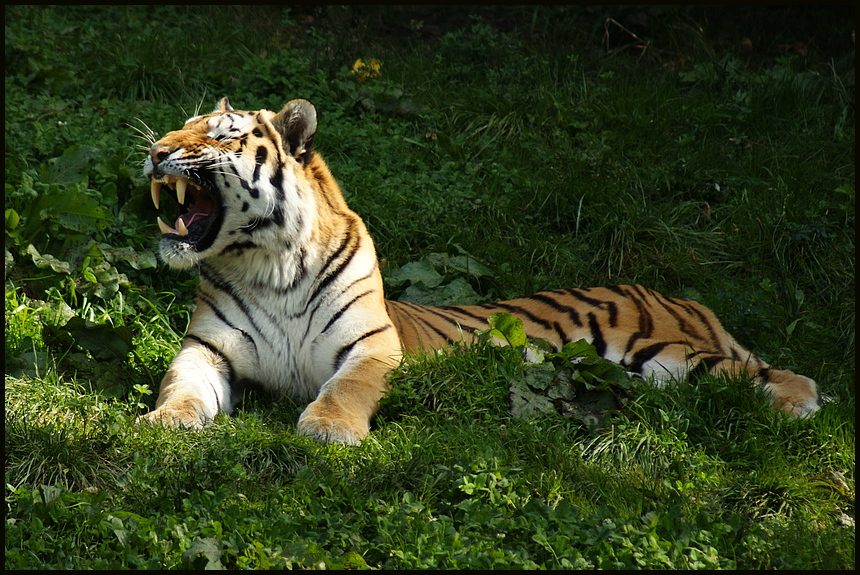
[693,165]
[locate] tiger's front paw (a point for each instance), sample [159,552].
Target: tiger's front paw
[185,414]
[332,425]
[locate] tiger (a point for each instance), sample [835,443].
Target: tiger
[290,295]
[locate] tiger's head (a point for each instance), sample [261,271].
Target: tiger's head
[234,175]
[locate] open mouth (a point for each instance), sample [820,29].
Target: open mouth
[199,211]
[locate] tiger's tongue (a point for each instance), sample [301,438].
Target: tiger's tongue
[191,217]
[200,209]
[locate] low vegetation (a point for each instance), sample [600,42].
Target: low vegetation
[706,153]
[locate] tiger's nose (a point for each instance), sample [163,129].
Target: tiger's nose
[158,153]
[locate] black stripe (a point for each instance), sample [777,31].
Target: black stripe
[259,158]
[692,309]
[216,351]
[457,309]
[683,325]
[254,192]
[698,371]
[207,274]
[562,335]
[713,360]
[446,335]
[554,304]
[647,353]
[341,311]
[444,313]
[277,180]
[278,216]
[429,327]
[643,293]
[301,271]
[239,247]
[231,376]
[609,306]
[227,322]
[330,277]
[646,324]
[578,294]
[344,351]
[518,311]
[418,318]
[257,224]
[310,316]
[596,335]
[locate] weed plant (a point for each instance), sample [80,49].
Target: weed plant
[707,153]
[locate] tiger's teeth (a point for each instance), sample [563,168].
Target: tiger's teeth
[180,226]
[181,186]
[155,190]
[165,229]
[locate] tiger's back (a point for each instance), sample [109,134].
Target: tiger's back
[291,295]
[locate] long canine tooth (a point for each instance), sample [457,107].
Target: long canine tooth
[181,186]
[165,229]
[155,190]
[180,226]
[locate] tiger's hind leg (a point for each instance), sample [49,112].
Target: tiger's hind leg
[791,393]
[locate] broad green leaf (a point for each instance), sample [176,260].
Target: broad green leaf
[461,263]
[68,168]
[539,377]
[416,272]
[526,403]
[352,560]
[105,342]
[846,190]
[107,282]
[82,213]
[138,259]
[12,219]
[579,348]
[210,548]
[48,261]
[458,292]
[74,209]
[509,326]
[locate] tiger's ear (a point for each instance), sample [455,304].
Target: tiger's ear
[297,124]
[224,105]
